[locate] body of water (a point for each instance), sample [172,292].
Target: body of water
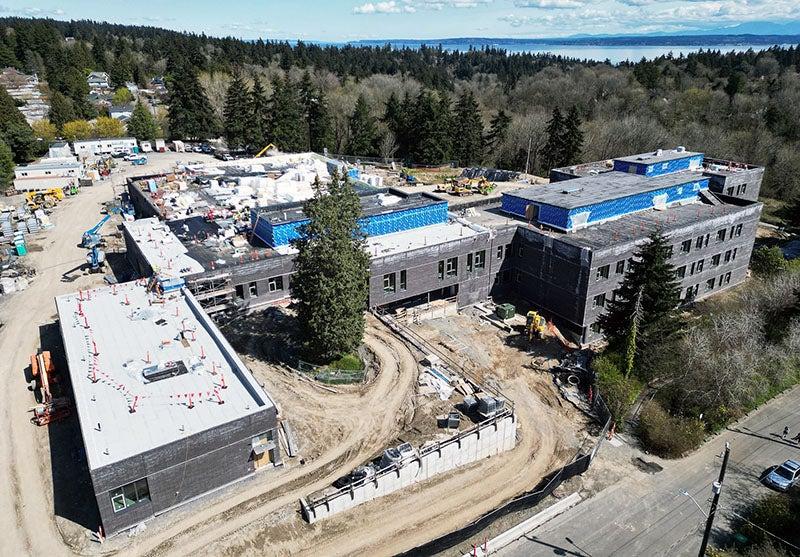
[614,53]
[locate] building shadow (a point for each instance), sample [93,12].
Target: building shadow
[73,494]
[774,437]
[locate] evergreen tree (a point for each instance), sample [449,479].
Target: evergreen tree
[235,113]
[362,131]
[431,125]
[287,114]
[6,166]
[498,131]
[320,127]
[331,273]
[14,130]
[646,301]
[734,85]
[257,133]
[61,109]
[554,150]
[142,124]
[468,135]
[573,138]
[190,114]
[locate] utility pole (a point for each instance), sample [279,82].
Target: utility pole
[528,158]
[716,488]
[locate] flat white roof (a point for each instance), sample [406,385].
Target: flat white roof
[115,336]
[162,249]
[416,238]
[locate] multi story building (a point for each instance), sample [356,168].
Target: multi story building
[563,247]
[167,410]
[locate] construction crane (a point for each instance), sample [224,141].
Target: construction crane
[52,407]
[535,325]
[264,150]
[91,237]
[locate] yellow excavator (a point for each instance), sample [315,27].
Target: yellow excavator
[264,150]
[485,187]
[45,198]
[535,325]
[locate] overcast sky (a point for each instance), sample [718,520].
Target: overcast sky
[336,20]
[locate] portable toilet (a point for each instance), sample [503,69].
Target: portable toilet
[160,145]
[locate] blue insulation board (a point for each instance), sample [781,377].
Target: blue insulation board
[569,219]
[373,225]
[659,168]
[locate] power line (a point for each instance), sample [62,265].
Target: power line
[790,544]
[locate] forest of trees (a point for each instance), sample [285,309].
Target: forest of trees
[427,106]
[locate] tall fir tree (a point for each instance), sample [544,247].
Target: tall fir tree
[61,109]
[554,150]
[190,113]
[14,129]
[258,113]
[362,138]
[431,124]
[331,275]
[6,166]
[573,137]
[498,132]
[142,125]
[646,301]
[235,113]
[468,145]
[287,115]
[320,126]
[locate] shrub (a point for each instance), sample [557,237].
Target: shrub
[668,436]
[618,392]
[767,261]
[347,362]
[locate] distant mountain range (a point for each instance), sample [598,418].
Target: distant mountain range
[754,32]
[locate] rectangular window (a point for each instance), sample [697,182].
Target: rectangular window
[441,270]
[715,260]
[730,234]
[721,235]
[480,259]
[688,295]
[599,301]
[275,284]
[499,252]
[680,272]
[728,277]
[744,189]
[620,267]
[738,230]
[240,291]
[602,272]
[699,242]
[710,284]
[129,495]
[730,190]
[691,269]
[727,256]
[734,254]
[451,269]
[738,189]
[686,246]
[252,289]
[389,283]
[520,251]
[700,265]
[469,262]
[403,282]
[508,250]
[518,276]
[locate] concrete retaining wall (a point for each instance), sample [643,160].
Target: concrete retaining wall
[488,438]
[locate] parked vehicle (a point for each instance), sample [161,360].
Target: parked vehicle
[784,476]
[120,152]
[139,160]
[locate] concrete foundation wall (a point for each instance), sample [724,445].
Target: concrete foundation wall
[182,470]
[486,439]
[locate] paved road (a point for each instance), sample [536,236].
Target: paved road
[646,514]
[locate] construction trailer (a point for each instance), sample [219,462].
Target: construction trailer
[94,147]
[167,410]
[61,173]
[562,247]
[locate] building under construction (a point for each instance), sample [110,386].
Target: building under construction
[563,247]
[167,410]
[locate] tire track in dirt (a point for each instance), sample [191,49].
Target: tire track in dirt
[370,429]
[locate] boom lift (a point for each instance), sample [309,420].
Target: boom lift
[264,150]
[91,241]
